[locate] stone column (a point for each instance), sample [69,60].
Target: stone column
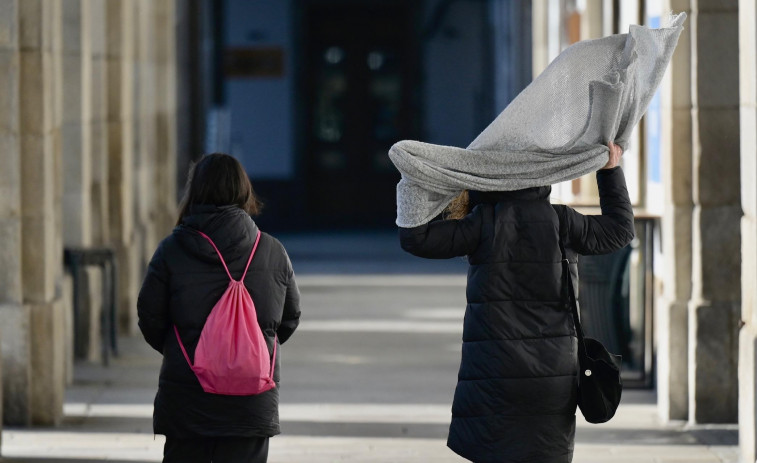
[172,109]
[715,307]
[129,243]
[748,334]
[592,27]
[672,314]
[539,37]
[592,20]
[164,117]
[149,113]
[40,244]
[91,187]
[120,55]
[96,115]
[77,165]
[14,330]
[145,155]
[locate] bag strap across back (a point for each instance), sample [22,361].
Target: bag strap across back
[254,247]
[570,295]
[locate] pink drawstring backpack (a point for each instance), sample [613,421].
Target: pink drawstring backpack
[232,356]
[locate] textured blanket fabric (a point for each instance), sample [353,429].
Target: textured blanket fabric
[555,130]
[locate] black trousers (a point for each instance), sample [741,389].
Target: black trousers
[216,450]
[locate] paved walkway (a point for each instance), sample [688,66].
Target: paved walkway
[108,418]
[368,378]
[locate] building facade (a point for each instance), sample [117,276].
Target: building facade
[104,103]
[693,165]
[310,95]
[87,129]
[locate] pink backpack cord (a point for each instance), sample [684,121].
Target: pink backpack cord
[233,282]
[254,247]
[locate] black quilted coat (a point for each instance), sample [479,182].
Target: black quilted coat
[515,399]
[184,280]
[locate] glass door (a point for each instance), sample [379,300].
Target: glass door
[359,87]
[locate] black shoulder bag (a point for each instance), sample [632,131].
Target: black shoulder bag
[599,384]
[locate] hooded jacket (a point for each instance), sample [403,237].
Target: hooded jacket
[184,280]
[515,399]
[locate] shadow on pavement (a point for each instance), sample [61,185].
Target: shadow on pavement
[613,436]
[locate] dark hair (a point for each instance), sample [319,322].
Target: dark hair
[221,180]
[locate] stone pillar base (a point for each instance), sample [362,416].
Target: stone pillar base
[68,327]
[748,392]
[88,338]
[48,363]
[672,361]
[1,402]
[16,364]
[713,362]
[130,275]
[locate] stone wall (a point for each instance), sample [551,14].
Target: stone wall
[672,313]
[87,139]
[699,320]
[748,334]
[14,346]
[42,264]
[705,359]
[706,321]
[715,306]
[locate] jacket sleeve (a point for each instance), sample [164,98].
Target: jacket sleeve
[443,239]
[601,234]
[291,315]
[152,303]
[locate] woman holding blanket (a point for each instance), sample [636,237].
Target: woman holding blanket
[516,395]
[515,399]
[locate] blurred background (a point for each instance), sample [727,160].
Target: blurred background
[104,105]
[311,95]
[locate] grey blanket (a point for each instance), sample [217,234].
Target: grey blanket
[555,130]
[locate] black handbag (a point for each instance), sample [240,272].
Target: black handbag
[599,384]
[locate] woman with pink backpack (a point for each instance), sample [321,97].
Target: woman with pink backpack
[218,298]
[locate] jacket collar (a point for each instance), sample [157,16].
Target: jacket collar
[527,194]
[232,230]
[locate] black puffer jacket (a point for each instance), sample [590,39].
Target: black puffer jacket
[184,281]
[515,399]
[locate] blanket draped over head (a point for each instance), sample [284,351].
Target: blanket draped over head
[555,130]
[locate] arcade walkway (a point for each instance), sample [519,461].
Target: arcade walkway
[368,377]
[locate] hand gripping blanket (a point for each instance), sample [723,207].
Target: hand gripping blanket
[555,130]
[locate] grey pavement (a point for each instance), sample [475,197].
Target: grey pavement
[349,253]
[368,377]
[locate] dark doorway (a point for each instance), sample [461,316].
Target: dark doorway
[359,81]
